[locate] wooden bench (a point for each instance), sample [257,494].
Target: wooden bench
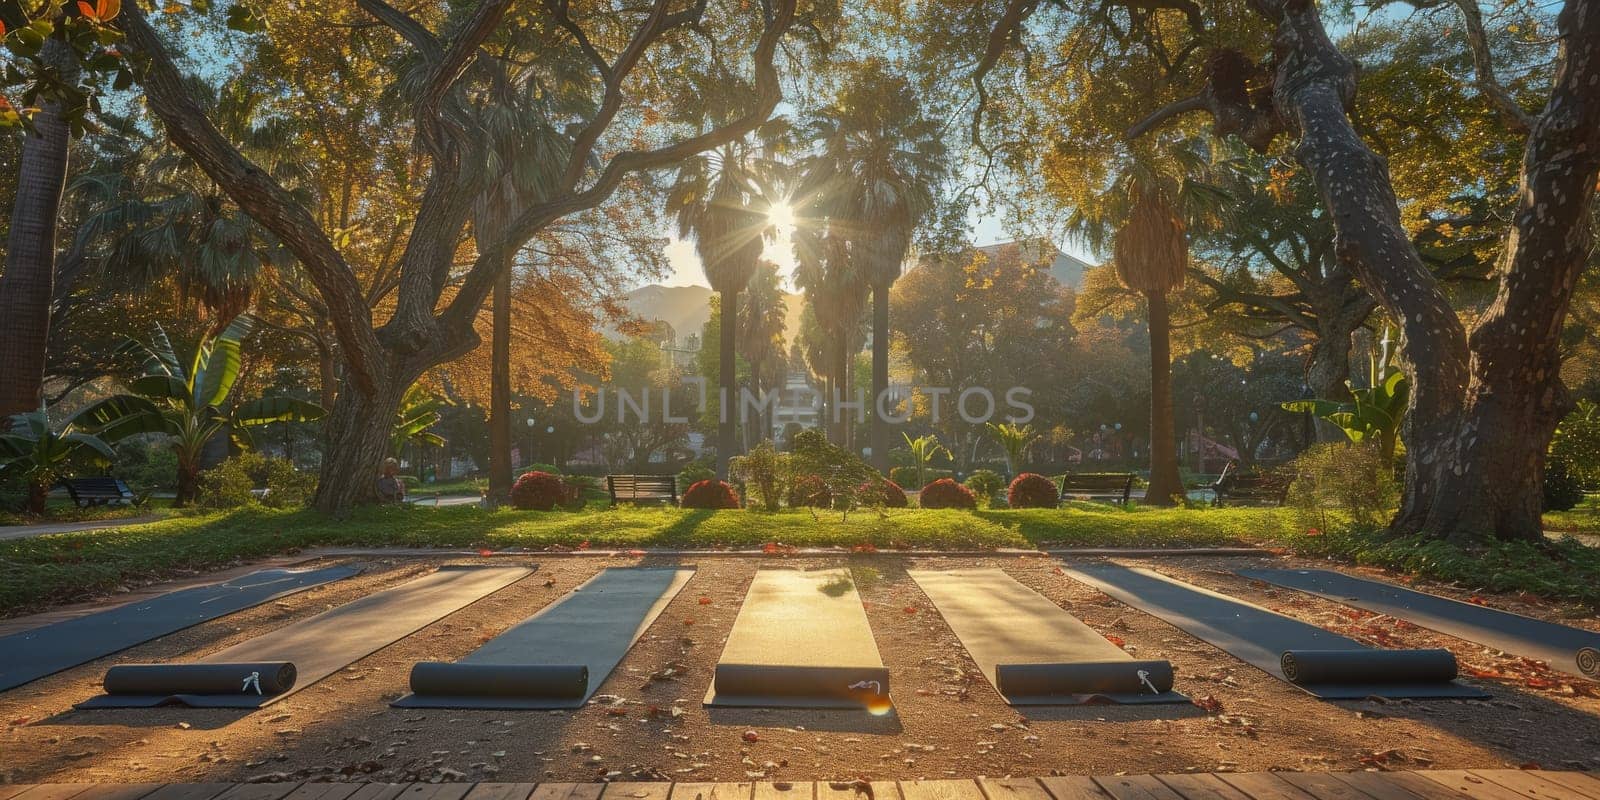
[642,488]
[1111,487]
[102,491]
[1234,487]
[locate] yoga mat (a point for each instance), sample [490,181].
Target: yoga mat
[558,657]
[33,654]
[1261,637]
[1033,652]
[319,646]
[275,677]
[801,640]
[1571,650]
[1312,667]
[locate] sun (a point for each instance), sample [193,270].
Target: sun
[781,215]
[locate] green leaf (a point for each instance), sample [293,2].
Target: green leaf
[217,370]
[161,387]
[242,19]
[277,409]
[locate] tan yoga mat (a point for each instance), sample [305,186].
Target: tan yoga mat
[1032,651]
[801,640]
[328,642]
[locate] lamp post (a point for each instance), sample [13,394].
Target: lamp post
[527,457]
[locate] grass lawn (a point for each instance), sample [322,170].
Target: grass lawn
[1583,518]
[62,509]
[40,570]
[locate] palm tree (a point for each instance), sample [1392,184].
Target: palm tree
[836,292]
[190,405]
[28,283]
[716,200]
[887,157]
[761,327]
[1015,440]
[37,455]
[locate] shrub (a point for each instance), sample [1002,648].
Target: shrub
[1577,443]
[1031,490]
[538,491]
[1562,489]
[885,493]
[694,473]
[810,491]
[764,471]
[946,493]
[839,469]
[710,493]
[550,468]
[985,483]
[1352,477]
[231,483]
[907,476]
[145,464]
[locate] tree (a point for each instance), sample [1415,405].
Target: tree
[881,158]
[192,406]
[1015,440]
[449,72]
[762,317]
[37,455]
[716,200]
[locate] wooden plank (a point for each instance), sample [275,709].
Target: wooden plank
[711,791]
[785,790]
[567,791]
[940,790]
[1470,785]
[1136,787]
[54,791]
[1012,789]
[843,790]
[501,791]
[1382,786]
[1073,787]
[1576,781]
[259,791]
[10,790]
[885,790]
[319,791]
[1263,786]
[118,791]
[189,791]
[438,791]
[378,791]
[1422,787]
[637,790]
[1323,786]
[1201,786]
[1527,783]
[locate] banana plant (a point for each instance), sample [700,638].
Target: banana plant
[924,449]
[38,455]
[190,406]
[418,412]
[1015,440]
[1375,412]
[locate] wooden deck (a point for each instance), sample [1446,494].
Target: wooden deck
[1485,784]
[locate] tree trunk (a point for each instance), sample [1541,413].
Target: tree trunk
[500,392]
[359,427]
[327,375]
[38,497]
[1165,481]
[727,379]
[880,376]
[1329,369]
[28,284]
[188,484]
[841,388]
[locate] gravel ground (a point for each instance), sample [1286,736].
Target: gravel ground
[948,721]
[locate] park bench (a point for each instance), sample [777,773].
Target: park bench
[642,488]
[101,491]
[1234,487]
[1111,487]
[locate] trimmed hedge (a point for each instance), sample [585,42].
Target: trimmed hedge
[1032,490]
[946,493]
[538,491]
[710,493]
[882,493]
[810,491]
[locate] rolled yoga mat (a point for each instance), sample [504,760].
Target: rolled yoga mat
[315,647]
[42,651]
[1032,651]
[801,640]
[268,678]
[1261,637]
[1313,667]
[1571,650]
[558,657]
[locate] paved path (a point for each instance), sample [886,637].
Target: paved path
[24,531]
[1482,784]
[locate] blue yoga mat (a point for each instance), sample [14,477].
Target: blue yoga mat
[33,654]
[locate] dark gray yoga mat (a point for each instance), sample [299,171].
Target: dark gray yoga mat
[801,640]
[1032,651]
[324,644]
[558,657]
[33,654]
[1571,650]
[268,678]
[1261,637]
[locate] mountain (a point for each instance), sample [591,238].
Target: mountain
[686,308]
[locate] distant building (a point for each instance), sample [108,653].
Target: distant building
[1067,271]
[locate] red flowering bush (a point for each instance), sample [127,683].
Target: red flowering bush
[538,491]
[710,493]
[810,491]
[946,493]
[1032,490]
[881,493]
